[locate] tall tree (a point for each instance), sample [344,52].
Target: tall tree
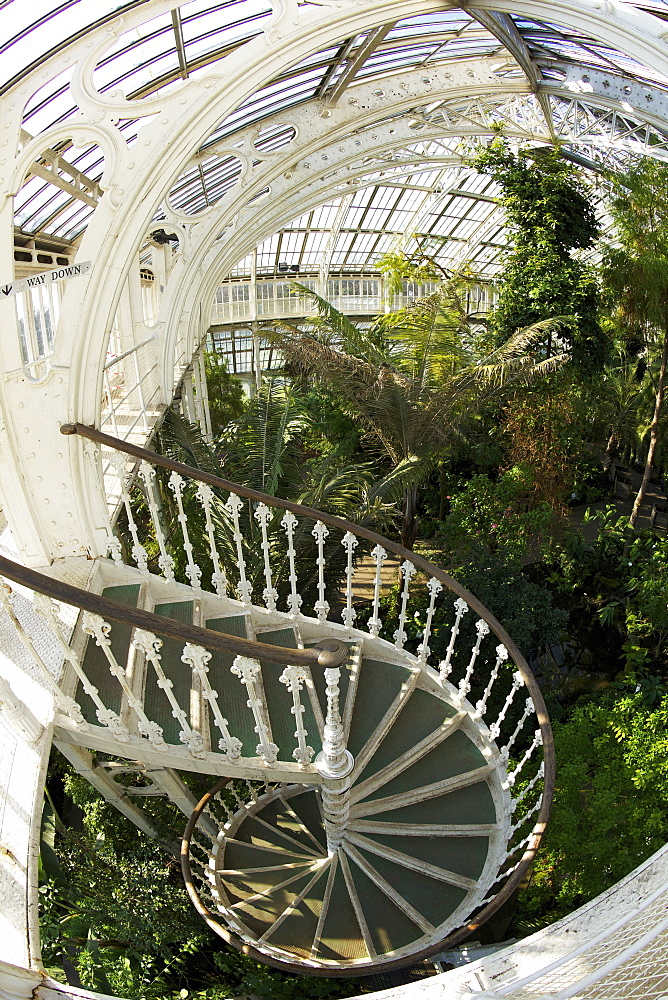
[550,216]
[636,272]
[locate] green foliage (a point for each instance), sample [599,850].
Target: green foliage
[226,394]
[619,582]
[488,516]
[550,214]
[611,804]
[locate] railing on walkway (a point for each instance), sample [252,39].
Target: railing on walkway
[274,299]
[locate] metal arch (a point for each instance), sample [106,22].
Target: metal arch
[293,32]
[503,27]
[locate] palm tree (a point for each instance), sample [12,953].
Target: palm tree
[411,379]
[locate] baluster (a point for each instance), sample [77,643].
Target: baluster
[320,533]
[96,626]
[48,609]
[374,623]
[537,742]
[270,594]
[197,657]
[241,803]
[251,790]
[520,823]
[409,571]
[482,628]
[349,542]
[528,708]
[218,577]
[92,453]
[540,773]
[193,572]
[518,681]
[501,657]
[165,561]
[521,845]
[64,703]
[434,588]
[150,646]
[226,809]
[244,589]
[289,522]
[138,551]
[294,678]
[334,763]
[249,672]
[445,666]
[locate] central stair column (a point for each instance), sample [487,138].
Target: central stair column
[334,763]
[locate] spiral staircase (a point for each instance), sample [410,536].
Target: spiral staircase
[371,803]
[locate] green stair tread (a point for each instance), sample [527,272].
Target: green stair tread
[389,926]
[455,755]
[277,814]
[307,807]
[156,705]
[247,855]
[269,908]
[252,831]
[279,699]
[473,804]
[246,885]
[341,937]
[432,898]
[420,716]
[232,694]
[378,685]
[95,663]
[464,855]
[297,931]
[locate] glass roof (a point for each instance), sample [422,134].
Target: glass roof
[357,225]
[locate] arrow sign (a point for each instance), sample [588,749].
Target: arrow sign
[45,278]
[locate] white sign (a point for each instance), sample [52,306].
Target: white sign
[45,278]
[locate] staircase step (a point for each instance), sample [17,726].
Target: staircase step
[340,935]
[95,663]
[232,695]
[456,755]
[431,898]
[378,686]
[420,716]
[156,705]
[473,804]
[279,700]
[388,926]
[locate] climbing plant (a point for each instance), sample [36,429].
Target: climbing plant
[550,215]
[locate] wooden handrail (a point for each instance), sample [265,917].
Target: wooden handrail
[328,653]
[143,454]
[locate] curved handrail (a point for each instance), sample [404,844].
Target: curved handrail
[419,562]
[328,653]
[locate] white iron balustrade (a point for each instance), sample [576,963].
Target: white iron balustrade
[197,658]
[249,673]
[150,646]
[289,522]
[294,678]
[193,571]
[218,577]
